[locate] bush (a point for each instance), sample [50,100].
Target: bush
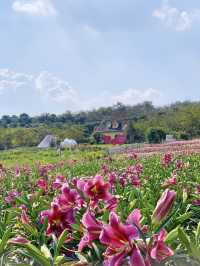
[135,135]
[184,136]
[156,135]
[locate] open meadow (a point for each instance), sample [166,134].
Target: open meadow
[85,207]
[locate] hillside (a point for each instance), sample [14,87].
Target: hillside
[182,119]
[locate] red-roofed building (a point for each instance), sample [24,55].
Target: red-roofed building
[112,132]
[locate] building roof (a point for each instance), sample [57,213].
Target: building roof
[111,126]
[47,141]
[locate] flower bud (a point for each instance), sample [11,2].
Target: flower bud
[164,206]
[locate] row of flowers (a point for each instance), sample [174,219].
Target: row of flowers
[118,214]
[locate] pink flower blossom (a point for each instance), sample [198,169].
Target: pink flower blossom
[134,218]
[24,217]
[58,220]
[196,202]
[111,204]
[179,164]
[135,181]
[42,184]
[170,182]
[58,182]
[167,159]
[96,189]
[12,196]
[93,229]
[133,156]
[17,171]
[159,250]
[112,178]
[119,239]
[69,198]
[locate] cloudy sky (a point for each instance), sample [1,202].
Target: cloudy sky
[58,55]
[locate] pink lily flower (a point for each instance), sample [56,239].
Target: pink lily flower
[111,204]
[93,229]
[69,198]
[58,182]
[112,178]
[17,171]
[58,220]
[24,217]
[179,164]
[96,189]
[159,250]
[170,182]
[12,196]
[120,241]
[42,184]
[135,181]
[80,184]
[134,218]
[167,159]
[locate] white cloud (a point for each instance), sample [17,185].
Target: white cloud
[55,89]
[52,90]
[178,20]
[10,80]
[45,84]
[134,96]
[35,7]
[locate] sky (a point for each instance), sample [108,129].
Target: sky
[58,55]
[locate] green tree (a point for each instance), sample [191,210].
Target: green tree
[156,135]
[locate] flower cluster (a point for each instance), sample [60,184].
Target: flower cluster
[62,213]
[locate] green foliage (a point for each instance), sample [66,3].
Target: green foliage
[156,135]
[29,137]
[180,119]
[134,134]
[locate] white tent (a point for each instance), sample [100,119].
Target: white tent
[169,138]
[47,141]
[68,143]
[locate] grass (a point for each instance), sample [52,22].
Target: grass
[23,156]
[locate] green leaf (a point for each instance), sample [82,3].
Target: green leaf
[105,216]
[185,196]
[31,230]
[44,249]
[185,240]
[36,254]
[60,242]
[59,259]
[4,241]
[195,252]
[81,258]
[197,233]
[184,217]
[76,227]
[168,220]
[172,235]
[97,251]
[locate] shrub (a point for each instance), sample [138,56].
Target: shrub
[156,135]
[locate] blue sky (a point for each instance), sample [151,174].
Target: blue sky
[58,55]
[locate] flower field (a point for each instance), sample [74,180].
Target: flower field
[99,210]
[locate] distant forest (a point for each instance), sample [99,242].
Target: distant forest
[181,119]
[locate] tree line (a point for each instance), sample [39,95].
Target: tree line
[146,123]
